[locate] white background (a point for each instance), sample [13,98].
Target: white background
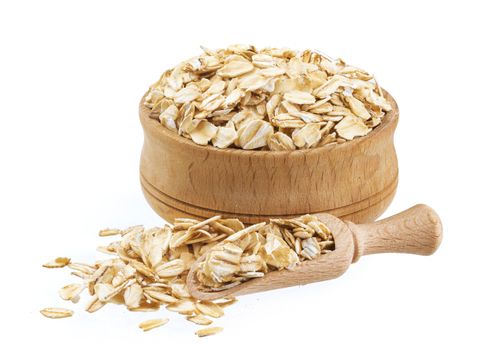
[71,77]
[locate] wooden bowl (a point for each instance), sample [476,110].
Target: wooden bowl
[355,180]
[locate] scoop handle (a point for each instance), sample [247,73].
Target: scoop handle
[417,230]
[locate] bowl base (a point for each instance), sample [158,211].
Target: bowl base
[169,208]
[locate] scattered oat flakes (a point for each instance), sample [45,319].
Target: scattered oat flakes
[147,268]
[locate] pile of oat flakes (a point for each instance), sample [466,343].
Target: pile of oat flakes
[149,267]
[269,99]
[261,248]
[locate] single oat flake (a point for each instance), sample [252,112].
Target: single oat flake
[57,263]
[71,292]
[267,99]
[56,312]
[204,332]
[151,324]
[200,319]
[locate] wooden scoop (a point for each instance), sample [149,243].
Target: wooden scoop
[417,230]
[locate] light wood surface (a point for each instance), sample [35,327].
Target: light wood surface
[417,230]
[355,180]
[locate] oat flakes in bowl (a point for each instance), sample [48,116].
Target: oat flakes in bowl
[268,99]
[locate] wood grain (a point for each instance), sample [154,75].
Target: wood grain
[355,180]
[417,230]
[363,211]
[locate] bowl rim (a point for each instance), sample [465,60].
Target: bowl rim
[390,120]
